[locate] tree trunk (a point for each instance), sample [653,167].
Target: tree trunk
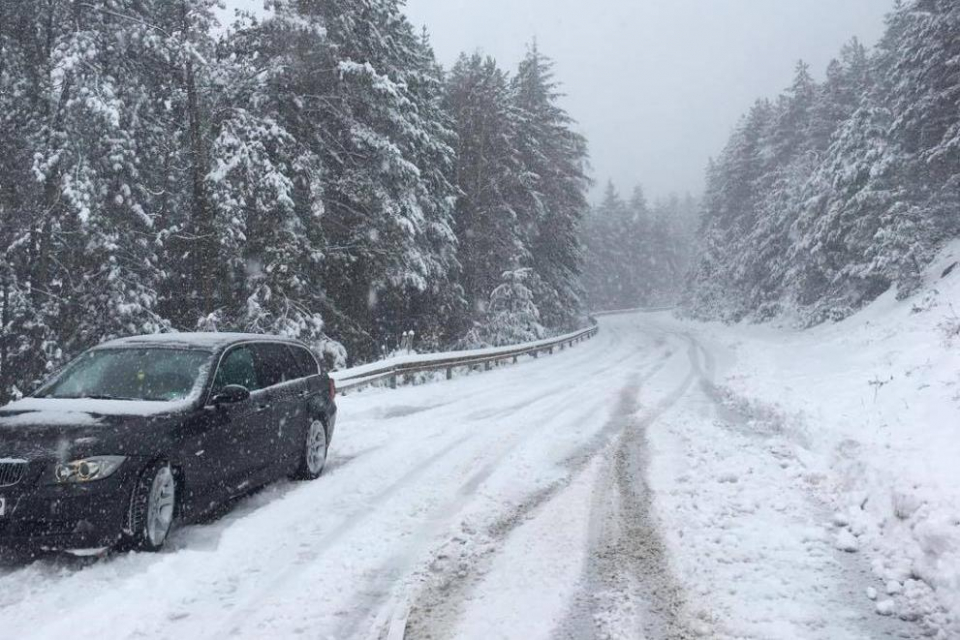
[4,340]
[204,250]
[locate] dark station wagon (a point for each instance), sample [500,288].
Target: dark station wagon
[139,433]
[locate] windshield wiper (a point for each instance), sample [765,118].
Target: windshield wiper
[104,397]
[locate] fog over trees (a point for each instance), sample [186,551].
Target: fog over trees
[638,254]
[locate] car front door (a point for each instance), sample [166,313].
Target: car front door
[227,457]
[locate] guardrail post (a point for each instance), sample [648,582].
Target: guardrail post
[449,373]
[515,358]
[393,381]
[487,366]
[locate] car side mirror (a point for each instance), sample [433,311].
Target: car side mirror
[231,394]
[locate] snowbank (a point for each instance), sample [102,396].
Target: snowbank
[875,405]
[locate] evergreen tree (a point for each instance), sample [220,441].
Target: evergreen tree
[553,159]
[638,255]
[859,187]
[296,175]
[492,234]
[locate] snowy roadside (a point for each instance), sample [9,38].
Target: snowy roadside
[665,480]
[863,417]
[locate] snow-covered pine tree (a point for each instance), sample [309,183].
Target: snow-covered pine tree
[553,158]
[858,189]
[638,255]
[358,83]
[920,80]
[848,81]
[640,244]
[264,188]
[511,316]
[490,230]
[435,310]
[184,68]
[16,125]
[791,158]
[82,245]
[611,274]
[730,212]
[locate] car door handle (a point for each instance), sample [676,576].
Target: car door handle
[262,407]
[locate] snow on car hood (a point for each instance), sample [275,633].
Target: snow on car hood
[61,429]
[84,411]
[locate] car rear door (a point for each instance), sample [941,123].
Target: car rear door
[283,384]
[318,388]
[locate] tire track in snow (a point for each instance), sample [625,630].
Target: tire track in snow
[628,586]
[458,568]
[370,593]
[247,607]
[378,601]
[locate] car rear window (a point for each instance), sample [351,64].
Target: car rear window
[306,363]
[275,364]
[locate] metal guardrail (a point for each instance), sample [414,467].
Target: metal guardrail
[395,373]
[618,312]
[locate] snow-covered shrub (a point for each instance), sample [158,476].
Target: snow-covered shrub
[511,316]
[950,326]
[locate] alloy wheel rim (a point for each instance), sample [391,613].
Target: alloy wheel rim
[160,506]
[316,447]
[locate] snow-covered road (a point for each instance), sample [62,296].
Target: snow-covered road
[608,491]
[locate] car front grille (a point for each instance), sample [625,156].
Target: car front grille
[12,472]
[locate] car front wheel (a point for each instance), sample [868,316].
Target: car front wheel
[153,508]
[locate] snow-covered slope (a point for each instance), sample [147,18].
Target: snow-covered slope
[865,415]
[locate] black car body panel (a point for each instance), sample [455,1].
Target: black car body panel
[217,452]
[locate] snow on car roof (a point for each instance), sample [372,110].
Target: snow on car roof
[206,340]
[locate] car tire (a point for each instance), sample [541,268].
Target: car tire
[313,452]
[153,509]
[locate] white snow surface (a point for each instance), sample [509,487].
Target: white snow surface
[208,340]
[83,411]
[665,479]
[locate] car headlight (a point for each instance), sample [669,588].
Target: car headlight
[88,469]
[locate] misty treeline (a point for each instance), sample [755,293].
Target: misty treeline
[836,191]
[315,174]
[638,254]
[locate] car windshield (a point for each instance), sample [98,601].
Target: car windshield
[163,375]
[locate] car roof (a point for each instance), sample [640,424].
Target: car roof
[210,341]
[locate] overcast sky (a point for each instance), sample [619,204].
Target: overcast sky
[656,85]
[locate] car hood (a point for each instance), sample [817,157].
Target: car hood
[49,428]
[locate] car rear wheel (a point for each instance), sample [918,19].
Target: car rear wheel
[153,508]
[314,454]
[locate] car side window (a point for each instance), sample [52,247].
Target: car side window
[238,367]
[276,366]
[306,363]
